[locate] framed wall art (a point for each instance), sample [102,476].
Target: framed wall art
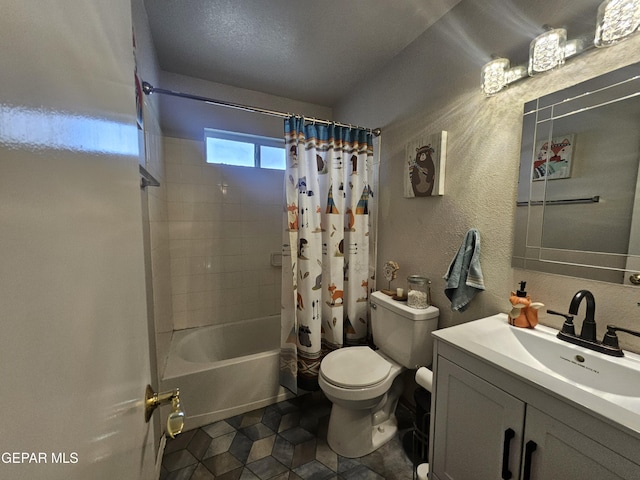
[559,150]
[425,158]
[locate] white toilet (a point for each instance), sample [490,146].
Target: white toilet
[364,384]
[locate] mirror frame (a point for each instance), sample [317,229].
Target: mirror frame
[528,251]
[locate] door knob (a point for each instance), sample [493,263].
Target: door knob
[175,419]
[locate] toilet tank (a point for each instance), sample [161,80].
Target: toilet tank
[401,332]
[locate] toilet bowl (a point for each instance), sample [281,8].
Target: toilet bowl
[365,385]
[364,401]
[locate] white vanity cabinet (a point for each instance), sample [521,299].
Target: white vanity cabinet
[488,423]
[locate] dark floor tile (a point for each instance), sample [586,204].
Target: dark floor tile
[221,464]
[241,447]
[199,444]
[236,421]
[374,461]
[346,464]
[304,452]
[283,476]
[283,451]
[163,473]
[183,473]
[297,435]
[248,475]
[288,421]
[179,443]
[234,474]
[271,419]
[257,431]
[261,448]
[286,406]
[252,417]
[361,472]
[177,460]
[309,423]
[266,468]
[325,455]
[218,428]
[314,471]
[202,473]
[247,447]
[219,445]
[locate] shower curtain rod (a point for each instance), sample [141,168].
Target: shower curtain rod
[148,89]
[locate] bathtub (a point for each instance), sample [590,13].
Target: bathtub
[225,370]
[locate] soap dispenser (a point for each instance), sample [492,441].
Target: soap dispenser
[524,312]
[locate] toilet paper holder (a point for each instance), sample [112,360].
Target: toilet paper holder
[175,419]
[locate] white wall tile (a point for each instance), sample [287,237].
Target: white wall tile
[221,232]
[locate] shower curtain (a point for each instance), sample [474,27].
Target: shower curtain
[327,263]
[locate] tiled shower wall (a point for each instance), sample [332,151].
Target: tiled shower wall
[224,224]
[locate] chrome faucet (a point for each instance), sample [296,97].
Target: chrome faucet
[588,331]
[587,336]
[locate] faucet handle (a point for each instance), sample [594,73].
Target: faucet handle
[567,326]
[610,338]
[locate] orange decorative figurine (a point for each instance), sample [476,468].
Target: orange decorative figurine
[524,312]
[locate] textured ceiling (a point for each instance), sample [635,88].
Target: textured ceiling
[312,51]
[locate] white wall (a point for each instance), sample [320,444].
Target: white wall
[438,88]
[183,118]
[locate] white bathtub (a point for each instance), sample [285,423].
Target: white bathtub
[225,370]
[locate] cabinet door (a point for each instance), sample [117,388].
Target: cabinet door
[477,427]
[555,450]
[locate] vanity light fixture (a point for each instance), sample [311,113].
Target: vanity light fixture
[494,76]
[573,47]
[516,73]
[617,19]
[547,51]
[497,74]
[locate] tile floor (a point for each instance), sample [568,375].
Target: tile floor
[283,441]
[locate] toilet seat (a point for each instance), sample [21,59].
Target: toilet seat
[355,367]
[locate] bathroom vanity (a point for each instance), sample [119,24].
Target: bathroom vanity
[513,403]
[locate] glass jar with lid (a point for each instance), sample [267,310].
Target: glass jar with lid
[419,291]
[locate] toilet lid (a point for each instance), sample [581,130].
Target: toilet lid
[354,367]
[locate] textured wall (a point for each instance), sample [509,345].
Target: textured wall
[483,159]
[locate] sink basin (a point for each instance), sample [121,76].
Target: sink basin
[602,383]
[590,369]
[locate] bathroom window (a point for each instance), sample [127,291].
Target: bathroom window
[244,150]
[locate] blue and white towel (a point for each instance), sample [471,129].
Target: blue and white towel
[464,276]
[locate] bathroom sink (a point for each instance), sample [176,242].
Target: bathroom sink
[601,383]
[593,370]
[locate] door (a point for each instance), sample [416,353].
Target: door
[555,450]
[73,347]
[477,429]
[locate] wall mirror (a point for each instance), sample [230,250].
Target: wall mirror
[578,210]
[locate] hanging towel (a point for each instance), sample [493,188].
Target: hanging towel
[464,277]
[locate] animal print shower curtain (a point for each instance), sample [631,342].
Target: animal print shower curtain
[327,267]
